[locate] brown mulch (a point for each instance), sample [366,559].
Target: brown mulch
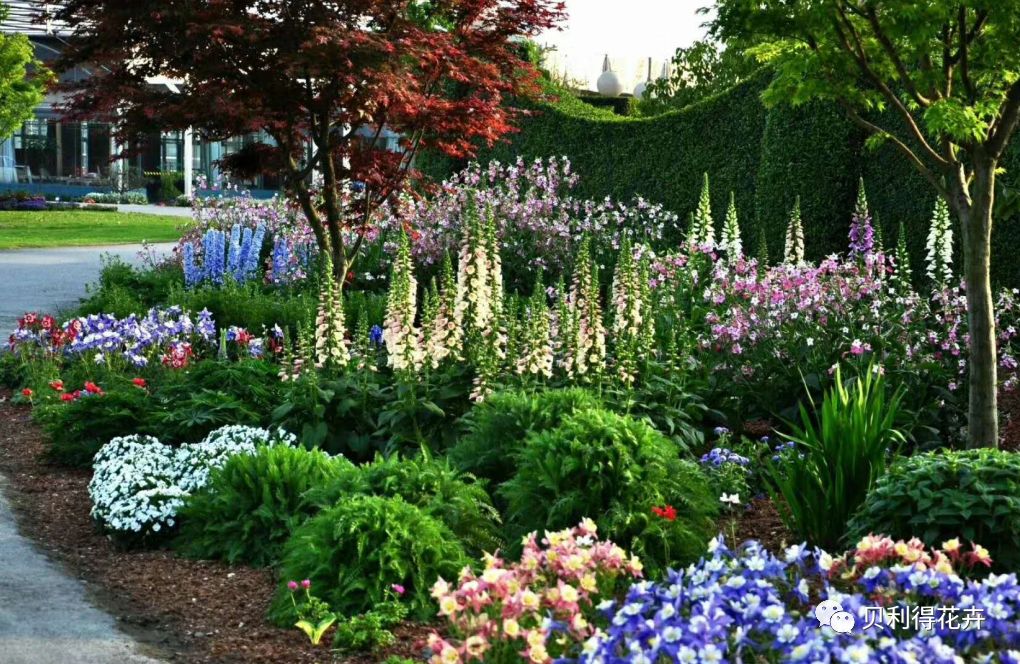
[189,611]
[760,520]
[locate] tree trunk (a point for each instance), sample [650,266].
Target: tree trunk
[974,208]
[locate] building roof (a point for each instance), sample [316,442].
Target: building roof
[24,17]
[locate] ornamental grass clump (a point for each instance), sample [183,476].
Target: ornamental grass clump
[620,469]
[535,609]
[843,445]
[356,550]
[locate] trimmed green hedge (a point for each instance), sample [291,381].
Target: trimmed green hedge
[765,156]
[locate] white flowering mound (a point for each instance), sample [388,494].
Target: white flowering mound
[139,484]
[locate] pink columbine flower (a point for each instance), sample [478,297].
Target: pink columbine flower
[399,589]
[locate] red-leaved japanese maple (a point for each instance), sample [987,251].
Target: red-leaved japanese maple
[309,73]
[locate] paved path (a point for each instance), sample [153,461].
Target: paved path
[162,210]
[49,280]
[44,615]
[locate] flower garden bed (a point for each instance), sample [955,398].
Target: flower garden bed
[459,461]
[189,610]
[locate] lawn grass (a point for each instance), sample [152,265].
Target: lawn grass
[75,228]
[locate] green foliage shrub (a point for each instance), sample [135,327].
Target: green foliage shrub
[434,485]
[841,449]
[77,429]
[252,504]
[212,394]
[613,469]
[496,428]
[337,415]
[356,550]
[936,496]
[123,290]
[252,305]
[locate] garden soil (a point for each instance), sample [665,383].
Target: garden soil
[181,610]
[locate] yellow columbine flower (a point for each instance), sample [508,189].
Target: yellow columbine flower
[568,594]
[449,655]
[448,605]
[536,638]
[529,600]
[949,546]
[511,628]
[588,583]
[538,654]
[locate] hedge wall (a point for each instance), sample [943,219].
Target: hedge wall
[765,156]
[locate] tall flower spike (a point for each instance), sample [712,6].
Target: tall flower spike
[793,253]
[565,330]
[703,230]
[628,314]
[403,345]
[590,353]
[762,253]
[331,349]
[536,356]
[731,243]
[940,246]
[862,233]
[903,277]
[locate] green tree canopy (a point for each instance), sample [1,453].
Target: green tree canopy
[938,79]
[23,79]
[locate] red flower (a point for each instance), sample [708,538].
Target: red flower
[668,512]
[26,393]
[350,276]
[139,382]
[57,385]
[92,388]
[67,397]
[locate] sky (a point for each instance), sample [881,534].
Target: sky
[630,31]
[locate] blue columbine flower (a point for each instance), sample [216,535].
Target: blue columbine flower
[375,334]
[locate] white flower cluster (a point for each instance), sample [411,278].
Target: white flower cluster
[139,484]
[793,251]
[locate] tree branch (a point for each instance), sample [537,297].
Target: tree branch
[860,57]
[968,85]
[928,174]
[1002,127]
[890,51]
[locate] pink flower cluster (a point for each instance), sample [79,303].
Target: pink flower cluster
[883,551]
[537,608]
[538,216]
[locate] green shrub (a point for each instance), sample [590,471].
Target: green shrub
[356,550]
[369,631]
[497,427]
[433,485]
[251,305]
[252,504]
[972,494]
[842,445]
[123,290]
[212,394]
[337,415]
[77,429]
[614,469]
